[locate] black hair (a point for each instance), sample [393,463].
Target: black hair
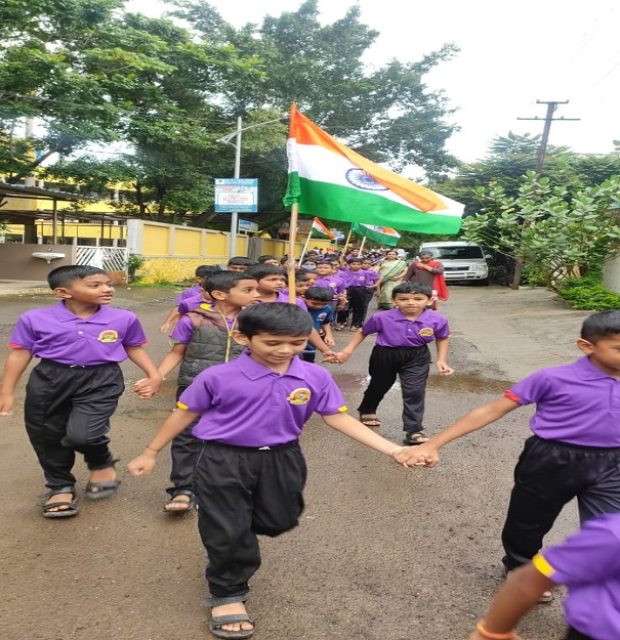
[412,287]
[277,318]
[301,275]
[321,294]
[205,270]
[260,271]
[309,259]
[63,276]
[224,281]
[240,261]
[426,252]
[600,325]
[261,259]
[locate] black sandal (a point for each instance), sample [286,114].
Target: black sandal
[415,438]
[101,490]
[188,505]
[62,508]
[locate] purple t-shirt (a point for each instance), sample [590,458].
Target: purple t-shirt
[196,290]
[575,403]
[246,404]
[588,563]
[335,283]
[362,278]
[284,297]
[191,303]
[54,333]
[393,329]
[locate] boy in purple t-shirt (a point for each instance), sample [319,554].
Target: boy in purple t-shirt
[588,564]
[403,335]
[74,390]
[250,477]
[575,449]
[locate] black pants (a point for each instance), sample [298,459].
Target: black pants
[358,300]
[68,409]
[308,356]
[243,493]
[548,475]
[411,365]
[184,451]
[573,634]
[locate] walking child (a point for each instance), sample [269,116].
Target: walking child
[318,300]
[250,477]
[202,338]
[403,335]
[588,563]
[575,449]
[73,391]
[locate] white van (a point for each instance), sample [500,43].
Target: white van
[462,261]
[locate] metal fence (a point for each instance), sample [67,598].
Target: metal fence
[108,258]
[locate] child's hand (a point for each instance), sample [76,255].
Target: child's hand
[476,636]
[329,341]
[342,357]
[165,327]
[142,465]
[147,387]
[330,357]
[444,369]
[423,455]
[6,404]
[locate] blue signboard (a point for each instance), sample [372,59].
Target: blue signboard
[236,194]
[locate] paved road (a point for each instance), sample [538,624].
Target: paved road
[382,553]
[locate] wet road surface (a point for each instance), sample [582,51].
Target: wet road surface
[382,553]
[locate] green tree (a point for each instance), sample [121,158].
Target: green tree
[553,234]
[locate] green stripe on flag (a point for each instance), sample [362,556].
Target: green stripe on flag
[336,202]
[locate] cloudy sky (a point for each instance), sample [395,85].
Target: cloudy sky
[512,53]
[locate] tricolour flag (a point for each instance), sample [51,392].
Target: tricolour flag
[327,178]
[319,230]
[382,235]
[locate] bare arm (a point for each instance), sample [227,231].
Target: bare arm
[329,336]
[170,321]
[174,424]
[15,365]
[520,593]
[140,357]
[356,340]
[428,454]
[353,428]
[172,359]
[442,357]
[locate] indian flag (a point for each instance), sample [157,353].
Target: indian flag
[319,230]
[327,178]
[382,235]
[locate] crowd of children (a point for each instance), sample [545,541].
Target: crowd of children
[246,347]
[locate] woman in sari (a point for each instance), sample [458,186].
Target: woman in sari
[391,271]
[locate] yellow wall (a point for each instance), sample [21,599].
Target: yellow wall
[156,240]
[187,242]
[177,270]
[82,230]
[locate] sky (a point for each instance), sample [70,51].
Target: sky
[511,55]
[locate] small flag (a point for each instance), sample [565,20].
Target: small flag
[327,178]
[382,235]
[319,230]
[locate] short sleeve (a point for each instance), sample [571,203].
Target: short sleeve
[199,396]
[530,390]
[134,335]
[329,316]
[183,331]
[22,336]
[373,276]
[442,331]
[591,555]
[330,400]
[371,325]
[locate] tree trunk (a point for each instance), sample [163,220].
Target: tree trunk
[516,278]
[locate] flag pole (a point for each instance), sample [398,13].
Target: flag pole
[346,242]
[362,245]
[303,251]
[292,237]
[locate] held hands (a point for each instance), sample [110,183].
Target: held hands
[147,387]
[6,404]
[423,455]
[336,358]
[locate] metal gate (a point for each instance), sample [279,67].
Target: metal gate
[108,258]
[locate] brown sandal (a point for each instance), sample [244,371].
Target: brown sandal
[370,420]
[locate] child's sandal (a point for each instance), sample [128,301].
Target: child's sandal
[61,508]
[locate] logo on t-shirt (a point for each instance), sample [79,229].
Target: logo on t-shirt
[301,395]
[426,332]
[108,336]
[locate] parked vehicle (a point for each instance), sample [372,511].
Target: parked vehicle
[462,261]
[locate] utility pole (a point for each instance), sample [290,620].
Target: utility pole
[552,105]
